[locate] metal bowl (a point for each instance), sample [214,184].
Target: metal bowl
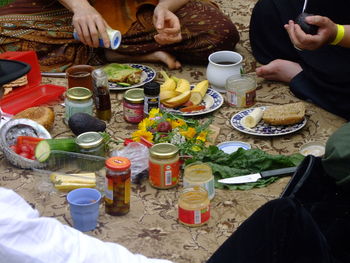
[8,136]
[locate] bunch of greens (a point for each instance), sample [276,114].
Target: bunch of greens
[243,162]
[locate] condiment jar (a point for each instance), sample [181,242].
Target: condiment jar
[241,90]
[101,95]
[151,91]
[91,143]
[200,174]
[194,206]
[78,99]
[133,105]
[117,189]
[164,165]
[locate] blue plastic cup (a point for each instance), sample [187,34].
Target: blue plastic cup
[84,208]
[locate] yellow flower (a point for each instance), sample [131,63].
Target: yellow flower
[189,134]
[136,136]
[145,124]
[177,123]
[196,148]
[202,136]
[154,113]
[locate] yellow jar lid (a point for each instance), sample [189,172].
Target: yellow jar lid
[78,93]
[163,150]
[89,140]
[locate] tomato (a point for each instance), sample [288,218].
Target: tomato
[24,148]
[14,148]
[25,155]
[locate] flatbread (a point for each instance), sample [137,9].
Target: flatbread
[122,73]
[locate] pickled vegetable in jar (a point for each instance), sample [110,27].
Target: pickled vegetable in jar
[164,165]
[194,206]
[117,189]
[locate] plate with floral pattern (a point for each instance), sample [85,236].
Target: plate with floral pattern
[264,129]
[147,75]
[212,101]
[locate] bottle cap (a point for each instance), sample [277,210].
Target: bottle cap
[118,163]
[151,88]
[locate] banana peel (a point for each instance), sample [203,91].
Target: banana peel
[178,100]
[169,84]
[183,85]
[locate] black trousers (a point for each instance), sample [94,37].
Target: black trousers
[325,79]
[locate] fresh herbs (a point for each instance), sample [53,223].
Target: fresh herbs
[243,162]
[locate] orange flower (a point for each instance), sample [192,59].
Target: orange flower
[177,123]
[136,136]
[189,134]
[202,136]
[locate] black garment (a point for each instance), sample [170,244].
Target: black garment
[325,79]
[309,223]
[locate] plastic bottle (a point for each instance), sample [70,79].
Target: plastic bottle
[151,91]
[101,95]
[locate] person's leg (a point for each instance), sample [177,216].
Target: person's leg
[279,231]
[205,29]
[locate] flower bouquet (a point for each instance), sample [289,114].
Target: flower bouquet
[189,135]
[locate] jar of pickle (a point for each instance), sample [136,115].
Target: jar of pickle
[164,165]
[117,188]
[194,206]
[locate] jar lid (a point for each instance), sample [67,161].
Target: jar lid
[151,88]
[134,95]
[79,93]
[118,163]
[88,140]
[163,150]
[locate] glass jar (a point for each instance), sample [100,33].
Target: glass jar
[151,91]
[117,188]
[200,174]
[241,90]
[194,206]
[164,165]
[133,105]
[78,99]
[101,95]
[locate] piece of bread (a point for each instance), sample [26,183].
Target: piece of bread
[123,73]
[284,114]
[42,115]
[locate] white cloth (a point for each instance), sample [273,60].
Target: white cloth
[27,238]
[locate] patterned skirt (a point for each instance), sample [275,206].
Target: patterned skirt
[48,30]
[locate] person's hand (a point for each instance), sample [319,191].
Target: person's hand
[90,25]
[167,25]
[326,33]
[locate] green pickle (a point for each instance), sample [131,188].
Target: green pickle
[117,194]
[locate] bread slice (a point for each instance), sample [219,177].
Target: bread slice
[284,114]
[123,73]
[42,115]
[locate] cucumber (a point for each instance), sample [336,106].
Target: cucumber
[44,147]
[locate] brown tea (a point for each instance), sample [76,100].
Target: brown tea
[226,62]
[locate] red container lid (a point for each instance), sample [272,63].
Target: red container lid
[118,163]
[32,94]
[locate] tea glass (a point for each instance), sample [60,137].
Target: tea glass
[80,76]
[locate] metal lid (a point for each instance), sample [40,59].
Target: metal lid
[79,93]
[134,95]
[232,146]
[88,140]
[163,150]
[118,163]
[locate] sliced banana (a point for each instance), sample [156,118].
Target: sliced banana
[253,118]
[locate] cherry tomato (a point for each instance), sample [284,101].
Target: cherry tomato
[24,148]
[25,155]
[13,148]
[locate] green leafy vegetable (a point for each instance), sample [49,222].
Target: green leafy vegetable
[243,162]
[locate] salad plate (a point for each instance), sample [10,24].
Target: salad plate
[262,128]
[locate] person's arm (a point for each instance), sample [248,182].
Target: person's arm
[326,33]
[88,23]
[166,22]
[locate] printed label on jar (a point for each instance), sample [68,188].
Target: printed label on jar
[166,175]
[250,98]
[109,190]
[209,186]
[127,191]
[232,98]
[133,112]
[194,217]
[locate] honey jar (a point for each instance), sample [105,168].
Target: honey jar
[194,206]
[164,165]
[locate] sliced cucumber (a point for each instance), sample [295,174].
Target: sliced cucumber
[123,84]
[44,148]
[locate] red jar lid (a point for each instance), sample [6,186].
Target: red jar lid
[118,163]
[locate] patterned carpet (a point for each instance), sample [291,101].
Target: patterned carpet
[151,228]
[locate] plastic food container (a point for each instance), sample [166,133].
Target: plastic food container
[32,94]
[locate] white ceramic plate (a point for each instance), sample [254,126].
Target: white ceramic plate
[148,74]
[264,129]
[213,100]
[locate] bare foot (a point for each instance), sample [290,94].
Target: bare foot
[158,56]
[279,70]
